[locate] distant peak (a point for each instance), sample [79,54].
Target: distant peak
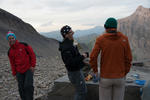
[141,8]
[142,11]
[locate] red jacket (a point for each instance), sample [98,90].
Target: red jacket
[21,57]
[116,55]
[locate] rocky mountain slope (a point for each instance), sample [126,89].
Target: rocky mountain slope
[26,33]
[137,28]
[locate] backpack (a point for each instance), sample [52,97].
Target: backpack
[25,44]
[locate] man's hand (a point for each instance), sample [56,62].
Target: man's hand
[96,74]
[32,69]
[15,77]
[95,77]
[86,61]
[85,55]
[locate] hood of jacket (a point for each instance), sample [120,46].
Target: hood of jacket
[112,36]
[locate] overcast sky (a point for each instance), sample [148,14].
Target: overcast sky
[49,15]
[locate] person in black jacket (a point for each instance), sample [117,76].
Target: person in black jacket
[73,61]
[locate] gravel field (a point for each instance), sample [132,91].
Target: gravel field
[46,71]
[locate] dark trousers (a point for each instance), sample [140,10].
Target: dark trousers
[77,79]
[25,85]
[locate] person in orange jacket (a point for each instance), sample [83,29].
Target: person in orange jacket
[115,63]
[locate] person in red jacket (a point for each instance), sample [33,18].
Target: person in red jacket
[23,61]
[115,61]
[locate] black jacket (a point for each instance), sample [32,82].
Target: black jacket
[70,55]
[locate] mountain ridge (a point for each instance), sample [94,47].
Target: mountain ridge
[78,33]
[25,33]
[136,27]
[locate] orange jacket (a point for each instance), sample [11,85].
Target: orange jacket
[115,53]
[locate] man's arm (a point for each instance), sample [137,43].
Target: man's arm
[32,56]
[70,60]
[12,65]
[94,55]
[128,57]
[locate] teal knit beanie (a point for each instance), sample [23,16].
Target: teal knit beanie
[10,33]
[111,23]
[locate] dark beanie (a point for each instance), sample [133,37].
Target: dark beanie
[110,23]
[65,30]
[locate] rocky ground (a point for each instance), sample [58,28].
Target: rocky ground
[46,71]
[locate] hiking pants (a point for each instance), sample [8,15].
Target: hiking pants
[25,85]
[111,89]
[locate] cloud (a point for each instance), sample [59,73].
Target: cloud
[46,24]
[75,5]
[78,13]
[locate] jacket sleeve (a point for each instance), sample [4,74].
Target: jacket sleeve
[32,56]
[94,55]
[128,57]
[12,66]
[70,60]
